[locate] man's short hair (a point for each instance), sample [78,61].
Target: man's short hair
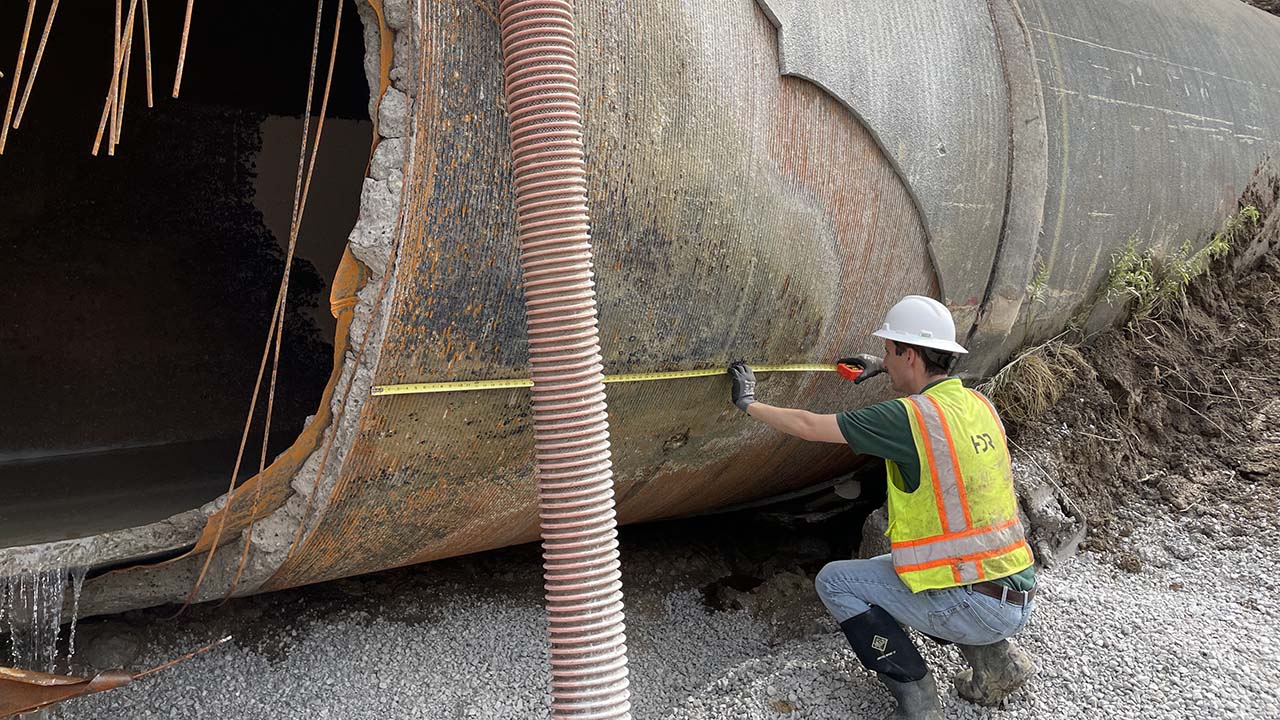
[936,362]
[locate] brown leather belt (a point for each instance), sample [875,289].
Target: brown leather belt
[998,591]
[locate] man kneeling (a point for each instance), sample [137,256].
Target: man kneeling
[960,569]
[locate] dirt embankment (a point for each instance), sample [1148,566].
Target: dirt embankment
[1178,411]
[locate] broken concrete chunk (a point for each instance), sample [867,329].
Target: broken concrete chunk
[391,114]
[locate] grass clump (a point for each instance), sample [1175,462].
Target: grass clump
[1035,380]
[1178,270]
[1154,285]
[1037,290]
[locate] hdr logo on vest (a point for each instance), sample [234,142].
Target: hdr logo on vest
[982,443]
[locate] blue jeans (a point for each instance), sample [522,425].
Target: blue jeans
[851,587]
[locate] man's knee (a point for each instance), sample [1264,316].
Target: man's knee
[822,582]
[838,581]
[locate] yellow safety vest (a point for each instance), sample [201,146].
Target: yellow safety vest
[961,524]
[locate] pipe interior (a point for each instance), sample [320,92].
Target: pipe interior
[140,286]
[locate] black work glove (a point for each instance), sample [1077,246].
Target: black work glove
[744,384]
[871,366]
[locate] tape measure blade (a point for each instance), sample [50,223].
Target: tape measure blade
[808,367]
[510,383]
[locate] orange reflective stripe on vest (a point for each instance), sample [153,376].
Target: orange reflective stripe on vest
[967,560]
[962,544]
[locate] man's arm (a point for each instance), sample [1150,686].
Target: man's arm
[880,430]
[801,423]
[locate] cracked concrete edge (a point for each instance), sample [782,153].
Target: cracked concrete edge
[371,241]
[107,548]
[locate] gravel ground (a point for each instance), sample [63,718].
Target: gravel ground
[1193,634]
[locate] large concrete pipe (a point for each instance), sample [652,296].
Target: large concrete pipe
[766,181]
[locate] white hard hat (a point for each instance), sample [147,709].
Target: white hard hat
[923,322]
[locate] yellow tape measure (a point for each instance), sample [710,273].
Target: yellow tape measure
[469,385]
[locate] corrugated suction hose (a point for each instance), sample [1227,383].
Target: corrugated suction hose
[575,474]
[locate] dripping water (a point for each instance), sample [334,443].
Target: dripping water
[31,609]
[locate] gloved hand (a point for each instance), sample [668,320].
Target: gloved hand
[744,385]
[871,366]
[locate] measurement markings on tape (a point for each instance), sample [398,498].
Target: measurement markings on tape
[474,385]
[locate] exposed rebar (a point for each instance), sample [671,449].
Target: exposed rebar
[182,50]
[146,42]
[35,66]
[17,74]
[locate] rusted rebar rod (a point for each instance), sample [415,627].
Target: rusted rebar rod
[35,66]
[182,50]
[17,74]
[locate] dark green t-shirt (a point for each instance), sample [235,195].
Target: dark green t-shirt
[884,431]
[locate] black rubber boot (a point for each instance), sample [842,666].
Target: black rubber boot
[916,700]
[994,671]
[884,647]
